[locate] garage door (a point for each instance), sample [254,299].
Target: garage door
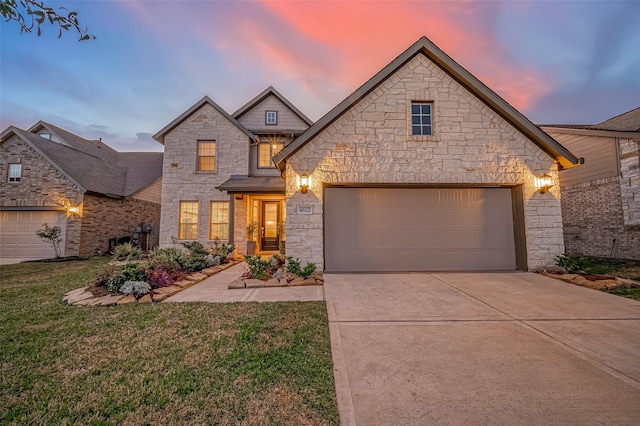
[418,229]
[18,239]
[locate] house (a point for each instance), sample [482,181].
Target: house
[95,194]
[422,168]
[601,199]
[219,175]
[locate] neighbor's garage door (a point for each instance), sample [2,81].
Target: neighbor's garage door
[18,239]
[425,229]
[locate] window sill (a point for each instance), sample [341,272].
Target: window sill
[423,138]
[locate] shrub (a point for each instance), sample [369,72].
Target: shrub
[293,266]
[212,260]
[127,251]
[195,248]
[572,263]
[163,276]
[136,288]
[222,250]
[258,268]
[308,270]
[53,235]
[194,263]
[171,257]
[278,257]
[124,273]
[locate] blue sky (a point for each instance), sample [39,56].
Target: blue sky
[557,62]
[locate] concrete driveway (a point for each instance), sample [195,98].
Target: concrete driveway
[481,348]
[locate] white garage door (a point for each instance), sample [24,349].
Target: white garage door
[418,229]
[18,239]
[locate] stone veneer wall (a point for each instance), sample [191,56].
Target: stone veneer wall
[629,151]
[41,185]
[104,218]
[602,217]
[372,143]
[181,181]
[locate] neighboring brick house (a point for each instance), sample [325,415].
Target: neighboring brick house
[422,168]
[601,199]
[94,193]
[218,175]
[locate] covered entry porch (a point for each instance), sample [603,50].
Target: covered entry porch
[257,214]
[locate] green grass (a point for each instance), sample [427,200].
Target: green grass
[631,293]
[167,363]
[615,267]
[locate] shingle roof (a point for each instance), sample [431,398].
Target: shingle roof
[128,173]
[205,100]
[627,122]
[425,47]
[269,91]
[245,184]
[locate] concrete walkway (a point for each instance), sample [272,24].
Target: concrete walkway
[491,348]
[214,289]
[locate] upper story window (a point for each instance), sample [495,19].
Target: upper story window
[206,156]
[15,173]
[271,117]
[266,151]
[421,118]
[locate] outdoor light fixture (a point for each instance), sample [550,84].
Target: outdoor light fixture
[304,183]
[74,210]
[543,183]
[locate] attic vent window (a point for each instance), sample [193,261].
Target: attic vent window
[421,113]
[271,117]
[45,135]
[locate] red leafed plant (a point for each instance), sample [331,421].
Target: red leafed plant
[162,276]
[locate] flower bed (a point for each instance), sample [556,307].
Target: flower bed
[277,271]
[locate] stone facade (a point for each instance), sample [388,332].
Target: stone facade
[182,182]
[630,182]
[104,218]
[371,143]
[41,185]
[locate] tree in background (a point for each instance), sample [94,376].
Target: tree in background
[30,13]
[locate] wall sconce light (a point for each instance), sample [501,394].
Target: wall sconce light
[543,183]
[304,183]
[74,210]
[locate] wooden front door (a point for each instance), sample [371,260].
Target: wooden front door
[269,225]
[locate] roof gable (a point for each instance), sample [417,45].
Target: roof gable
[425,47]
[270,91]
[195,107]
[126,174]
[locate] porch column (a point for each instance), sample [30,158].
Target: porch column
[232,202]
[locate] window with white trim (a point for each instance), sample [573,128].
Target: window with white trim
[421,118]
[271,117]
[188,220]
[219,220]
[15,173]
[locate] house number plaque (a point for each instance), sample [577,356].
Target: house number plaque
[305,209]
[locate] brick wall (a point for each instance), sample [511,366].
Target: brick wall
[41,185]
[181,181]
[372,143]
[629,153]
[593,221]
[104,218]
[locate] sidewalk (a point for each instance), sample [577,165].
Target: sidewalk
[214,289]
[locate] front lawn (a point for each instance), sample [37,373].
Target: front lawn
[156,363]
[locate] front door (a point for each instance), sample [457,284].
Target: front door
[269,225]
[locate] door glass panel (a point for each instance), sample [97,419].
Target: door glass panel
[270,220]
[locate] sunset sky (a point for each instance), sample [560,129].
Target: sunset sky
[557,62]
